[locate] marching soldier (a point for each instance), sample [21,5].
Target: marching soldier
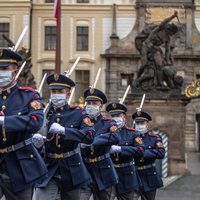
[96,156]
[150,178]
[68,126]
[21,167]
[123,154]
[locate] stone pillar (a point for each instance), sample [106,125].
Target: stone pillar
[189,27]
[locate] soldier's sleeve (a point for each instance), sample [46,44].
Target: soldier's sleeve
[30,120]
[110,137]
[137,150]
[85,134]
[158,152]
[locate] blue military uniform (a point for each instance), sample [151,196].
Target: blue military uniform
[151,179]
[96,156]
[131,148]
[61,151]
[23,112]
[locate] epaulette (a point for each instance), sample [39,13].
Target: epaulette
[76,107]
[106,118]
[130,129]
[154,134]
[27,89]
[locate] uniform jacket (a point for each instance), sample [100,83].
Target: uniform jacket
[78,129]
[23,112]
[153,150]
[131,147]
[102,172]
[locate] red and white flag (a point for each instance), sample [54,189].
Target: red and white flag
[56,8]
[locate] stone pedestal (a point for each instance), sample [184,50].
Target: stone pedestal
[168,114]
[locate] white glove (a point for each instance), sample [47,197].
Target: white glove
[57,128]
[115,149]
[2,120]
[38,140]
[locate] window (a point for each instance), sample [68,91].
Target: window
[82,1]
[50,37]
[126,79]
[82,38]
[49,1]
[4,30]
[82,78]
[45,90]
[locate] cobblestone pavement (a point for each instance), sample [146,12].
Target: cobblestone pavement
[185,188]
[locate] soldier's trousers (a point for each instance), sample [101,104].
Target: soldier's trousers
[87,192]
[53,192]
[6,190]
[124,196]
[151,195]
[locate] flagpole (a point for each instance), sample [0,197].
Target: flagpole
[58,38]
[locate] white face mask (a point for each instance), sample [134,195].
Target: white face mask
[141,128]
[92,110]
[119,121]
[6,78]
[58,100]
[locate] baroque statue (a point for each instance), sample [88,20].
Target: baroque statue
[157,70]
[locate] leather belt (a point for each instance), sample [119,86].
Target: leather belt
[124,164]
[97,159]
[146,166]
[16,146]
[63,155]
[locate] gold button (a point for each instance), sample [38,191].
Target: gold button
[4,139]
[149,147]
[4,97]
[108,166]
[58,145]
[72,126]
[58,113]
[126,143]
[79,163]
[31,156]
[154,173]
[3,107]
[19,113]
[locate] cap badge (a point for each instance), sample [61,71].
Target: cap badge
[114,105]
[56,77]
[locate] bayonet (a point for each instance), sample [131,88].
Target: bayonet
[69,72]
[125,94]
[97,77]
[42,83]
[14,48]
[139,109]
[20,70]
[71,95]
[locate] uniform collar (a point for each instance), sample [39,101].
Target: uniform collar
[61,109]
[9,90]
[96,119]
